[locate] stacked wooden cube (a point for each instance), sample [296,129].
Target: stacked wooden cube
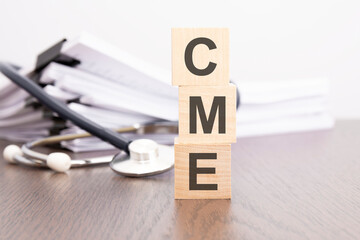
[207,113]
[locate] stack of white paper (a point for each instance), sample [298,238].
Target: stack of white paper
[283,106]
[19,120]
[115,90]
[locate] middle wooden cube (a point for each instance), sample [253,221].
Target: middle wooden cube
[207,114]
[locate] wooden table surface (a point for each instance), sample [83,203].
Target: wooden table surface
[297,186]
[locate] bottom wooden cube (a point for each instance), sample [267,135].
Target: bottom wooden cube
[202,171]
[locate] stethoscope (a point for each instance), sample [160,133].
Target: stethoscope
[138,158]
[146,156]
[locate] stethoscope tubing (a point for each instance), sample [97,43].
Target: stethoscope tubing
[63,111]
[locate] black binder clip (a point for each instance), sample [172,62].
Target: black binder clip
[53,54]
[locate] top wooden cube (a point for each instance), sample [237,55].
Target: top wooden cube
[200,56]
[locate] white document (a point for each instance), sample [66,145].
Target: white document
[11,110]
[6,86]
[121,98]
[13,97]
[58,93]
[259,92]
[23,117]
[109,118]
[283,125]
[107,61]
[24,135]
[109,94]
[40,124]
[250,113]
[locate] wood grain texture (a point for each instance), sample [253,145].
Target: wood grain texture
[221,177]
[207,94]
[181,76]
[298,186]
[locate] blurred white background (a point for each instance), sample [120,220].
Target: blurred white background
[277,39]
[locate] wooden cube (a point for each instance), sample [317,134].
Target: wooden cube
[207,114]
[202,171]
[200,56]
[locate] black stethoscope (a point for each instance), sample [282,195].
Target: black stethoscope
[142,157]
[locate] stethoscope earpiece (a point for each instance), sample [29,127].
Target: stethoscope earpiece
[58,161]
[10,152]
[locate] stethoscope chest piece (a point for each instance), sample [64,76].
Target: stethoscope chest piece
[146,158]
